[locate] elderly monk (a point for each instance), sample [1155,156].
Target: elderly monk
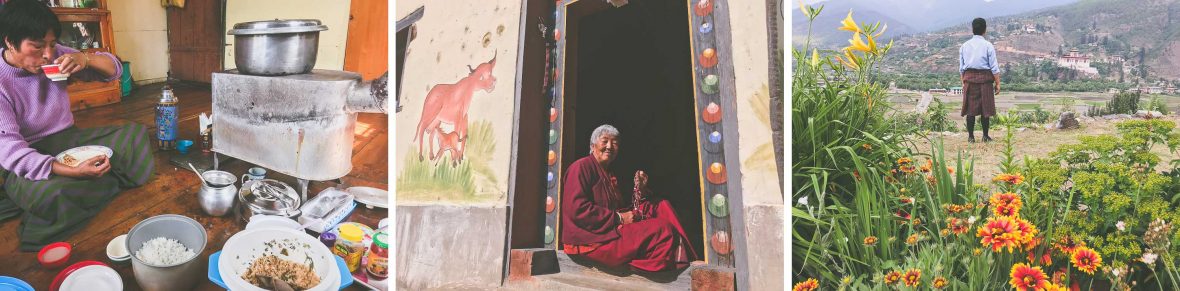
[981,79]
[597,222]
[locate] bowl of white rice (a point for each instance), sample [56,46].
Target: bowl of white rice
[165,251]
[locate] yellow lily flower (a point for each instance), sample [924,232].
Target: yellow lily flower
[872,44]
[814,57]
[850,60]
[857,43]
[849,24]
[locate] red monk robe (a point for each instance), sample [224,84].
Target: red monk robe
[591,226]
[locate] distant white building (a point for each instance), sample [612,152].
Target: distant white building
[1112,90]
[1030,28]
[1155,90]
[956,91]
[1074,59]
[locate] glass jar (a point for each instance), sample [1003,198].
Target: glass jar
[378,267]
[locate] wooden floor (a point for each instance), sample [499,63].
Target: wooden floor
[173,190]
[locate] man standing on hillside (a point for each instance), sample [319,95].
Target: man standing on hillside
[981,79]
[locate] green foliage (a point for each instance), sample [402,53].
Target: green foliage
[1157,104]
[936,117]
[1121,103]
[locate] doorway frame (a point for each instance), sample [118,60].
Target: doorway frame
[725,241]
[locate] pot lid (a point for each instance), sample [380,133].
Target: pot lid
[277,26]
[270,195]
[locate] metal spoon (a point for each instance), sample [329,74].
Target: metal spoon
[190,165]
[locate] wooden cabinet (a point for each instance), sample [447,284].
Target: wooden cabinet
[89,30]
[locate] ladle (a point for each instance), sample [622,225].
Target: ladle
[202,177]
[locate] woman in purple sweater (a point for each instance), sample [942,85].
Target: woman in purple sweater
[55,200]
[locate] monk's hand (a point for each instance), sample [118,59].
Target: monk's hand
[72,63]
[627,217]
[997,88]
[94,167]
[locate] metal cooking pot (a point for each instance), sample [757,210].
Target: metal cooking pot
[276,47]
[268,197]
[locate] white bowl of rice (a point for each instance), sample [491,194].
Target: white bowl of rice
[301,260]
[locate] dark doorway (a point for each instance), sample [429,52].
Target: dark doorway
[196,40]
[633,70]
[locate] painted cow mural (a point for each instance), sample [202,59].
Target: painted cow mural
[444,113]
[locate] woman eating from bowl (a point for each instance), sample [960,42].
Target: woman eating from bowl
[53,198]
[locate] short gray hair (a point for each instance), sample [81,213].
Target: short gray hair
[604,129]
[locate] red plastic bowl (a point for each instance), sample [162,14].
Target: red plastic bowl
[58,262]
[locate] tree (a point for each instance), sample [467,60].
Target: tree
[1120,68]
[1142,63]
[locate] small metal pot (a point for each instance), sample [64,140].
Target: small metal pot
[268,197]
[276,47]
[217,199]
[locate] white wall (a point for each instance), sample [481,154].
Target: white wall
[333,13]
[141,37]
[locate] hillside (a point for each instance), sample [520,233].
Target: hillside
[1110,32]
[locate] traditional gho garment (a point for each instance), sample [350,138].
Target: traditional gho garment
[978,66]
[979,95]
[35,125]
[590,225]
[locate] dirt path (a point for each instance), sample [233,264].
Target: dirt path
[1033,143]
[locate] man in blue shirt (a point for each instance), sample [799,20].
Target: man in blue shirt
[980,74]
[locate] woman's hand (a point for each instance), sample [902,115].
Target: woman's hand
[73,63]
[627,217]
[93,168]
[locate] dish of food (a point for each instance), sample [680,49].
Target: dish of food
[245,252]
[267,268]
[73,157]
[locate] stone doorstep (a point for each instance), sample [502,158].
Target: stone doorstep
[549,269]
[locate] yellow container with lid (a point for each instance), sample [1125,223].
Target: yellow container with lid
[350,246]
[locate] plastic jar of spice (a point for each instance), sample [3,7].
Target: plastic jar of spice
[379,256]
[350,246]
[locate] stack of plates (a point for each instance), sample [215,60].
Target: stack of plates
[88,276]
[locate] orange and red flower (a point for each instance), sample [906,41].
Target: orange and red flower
[870,240]
[1025,277]
[958,226]
[892,277]
[1054,287]
[1067,245]
[912,240]
[1028,233]
[1006,204]
[809,285]
[1086,260]
[1000,232]
[912,278]
[954,208]
[926,168]
[1011,179]
[939,282]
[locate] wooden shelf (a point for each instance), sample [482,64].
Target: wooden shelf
[91,94]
